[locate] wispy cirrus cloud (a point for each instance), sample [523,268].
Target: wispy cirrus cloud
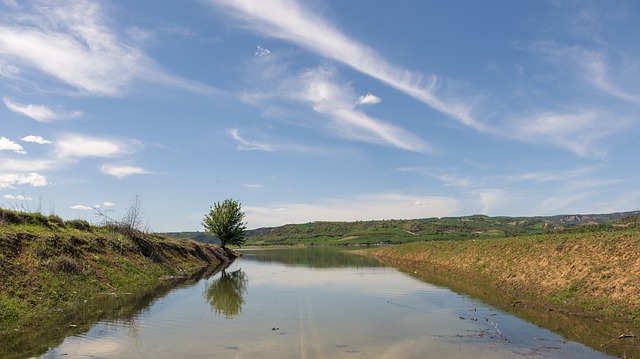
[445,176]
[320,91]
[577,132]
[326,96]
[592,66]
[74,42]
[39,113]
[246,145]
[293,21]
[563,175]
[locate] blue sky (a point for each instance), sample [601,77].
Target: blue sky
[319,110]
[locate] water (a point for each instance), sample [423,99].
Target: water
[299,303]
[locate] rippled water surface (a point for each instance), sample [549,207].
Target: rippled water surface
[298,303]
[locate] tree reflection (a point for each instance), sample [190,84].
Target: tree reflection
[225,295]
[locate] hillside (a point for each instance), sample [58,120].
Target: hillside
[430,229]
[50,267]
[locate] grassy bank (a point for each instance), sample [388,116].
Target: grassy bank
[49,267]
[595,273]
[585,286]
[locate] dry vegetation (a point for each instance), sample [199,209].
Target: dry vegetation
[597,273]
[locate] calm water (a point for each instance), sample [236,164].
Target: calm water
[298,303]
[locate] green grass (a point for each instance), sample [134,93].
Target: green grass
[48,265]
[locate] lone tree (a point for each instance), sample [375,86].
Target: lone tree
[225,222]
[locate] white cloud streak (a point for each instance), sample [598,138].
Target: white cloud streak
[17,197]
[122,171]
[81,207]
[592,66]
[246,145]
[79,146]
[318,88]
[576,132]
[291,21]
[73,42]
[40,113]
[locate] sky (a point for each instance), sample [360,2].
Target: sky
[319,110]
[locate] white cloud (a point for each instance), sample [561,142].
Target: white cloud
[122,171]
[262,52]
[445,176]
[329,98]
[17,197]
[248,145]
[10,180]
[108,204]
[366,207]
[552,176]
[493,200]
[8,145]
[81,207]
[16,165]
[368,99]
[35,139]
[576,132]
[73,42]
[557,204]
[290,20]
[78,146]
[39,113]
[590,65]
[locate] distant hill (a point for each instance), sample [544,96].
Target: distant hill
[426,229]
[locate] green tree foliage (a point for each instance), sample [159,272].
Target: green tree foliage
[225,222]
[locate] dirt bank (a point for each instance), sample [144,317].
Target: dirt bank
[597,273]
[584,286]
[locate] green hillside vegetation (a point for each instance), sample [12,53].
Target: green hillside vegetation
[431,229]
[50,267]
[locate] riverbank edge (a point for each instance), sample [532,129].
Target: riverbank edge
[50,267]
[589,279]
[595,274]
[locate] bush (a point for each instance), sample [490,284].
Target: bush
[79,224]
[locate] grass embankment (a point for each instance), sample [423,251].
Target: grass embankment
[50,267]
[585,286]
[596,273]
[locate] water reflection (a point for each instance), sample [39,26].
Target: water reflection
[226,294]
[294,309]
[321,257]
